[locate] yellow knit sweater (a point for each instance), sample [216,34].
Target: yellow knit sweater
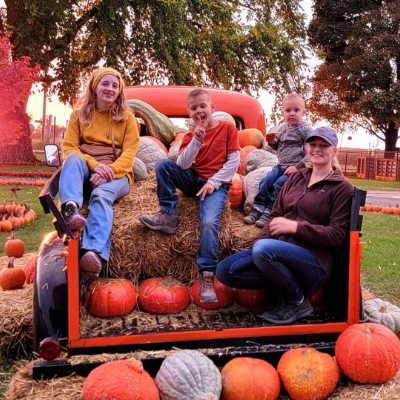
[126,137]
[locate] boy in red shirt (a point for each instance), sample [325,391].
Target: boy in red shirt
[208,158]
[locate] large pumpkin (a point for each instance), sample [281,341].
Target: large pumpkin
[248,378]
[224,293]
[30,269]
[163,295]
[244,151]
[120,380]
[368,353]
[158,141]
[188,375]
[384,313]
[235,193]
[251,297]
[14,247]
[250,137]
[110,297]
[12,278]
[307,373]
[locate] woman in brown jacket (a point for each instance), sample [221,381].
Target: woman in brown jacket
[294,251]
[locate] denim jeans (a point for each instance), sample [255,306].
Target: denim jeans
[97,233]
[171,177]
[291,269]
[269,188]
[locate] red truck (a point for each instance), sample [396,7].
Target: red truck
[220,335]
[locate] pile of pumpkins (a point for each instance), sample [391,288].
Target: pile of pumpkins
[380,209]
[13,215]
[22,182]
[367,353]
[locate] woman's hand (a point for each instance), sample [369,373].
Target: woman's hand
[104,171]
[200,130]
[281,225]
[205,190]
[97,180]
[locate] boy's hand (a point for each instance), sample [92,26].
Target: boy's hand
[281,225]
[205,190]
[200,130]
[290,170]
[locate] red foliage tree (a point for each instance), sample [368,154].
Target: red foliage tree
[16,79]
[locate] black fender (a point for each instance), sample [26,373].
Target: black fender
[50,297]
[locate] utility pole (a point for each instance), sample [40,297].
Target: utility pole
[44,112]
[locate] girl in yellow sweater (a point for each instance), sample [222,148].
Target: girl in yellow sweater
[101,114]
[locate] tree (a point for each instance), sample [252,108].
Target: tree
[244,45]
[16,79]
[358,83]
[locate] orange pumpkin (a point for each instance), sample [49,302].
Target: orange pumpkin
[363,208]
[396,210]
[12,278]
[235,193]
[251,297]
[178,138]
[376,208]
[369,208]
[30,269]
[307,373]
[225,296]
[6,225]
[368,353]
[244,151]
[14,247]
[318,295]
[250,137]
[390,209]
[246,378]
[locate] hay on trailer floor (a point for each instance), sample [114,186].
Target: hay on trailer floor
[138,252]
[22,386]
[16,322]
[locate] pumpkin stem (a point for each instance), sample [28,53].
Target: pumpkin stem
[367,330]
[383,308]
[11,262]
[12,235]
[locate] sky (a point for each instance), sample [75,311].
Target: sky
[360,139]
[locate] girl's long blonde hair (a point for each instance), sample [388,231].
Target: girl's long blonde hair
[85,107]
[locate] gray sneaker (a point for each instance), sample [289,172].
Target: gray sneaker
[207,289]
[160,221]
[288,313]
[265,217]
[252,217]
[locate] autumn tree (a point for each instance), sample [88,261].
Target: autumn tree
[244,45]
[358,83]
[16,79]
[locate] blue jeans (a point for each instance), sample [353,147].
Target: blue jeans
[292,270]
[269,188]
[97,233]
[169,177]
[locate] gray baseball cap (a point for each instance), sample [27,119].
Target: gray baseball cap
[325,133]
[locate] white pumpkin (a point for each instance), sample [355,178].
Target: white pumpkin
[250,186]
[384,313]
[219,116]
[149,152]
[188,375]
[139,170]
[259,158]
[174,151]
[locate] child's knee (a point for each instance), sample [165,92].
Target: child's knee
[162,164]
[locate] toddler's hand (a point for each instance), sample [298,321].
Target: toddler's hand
[205,190]
[290,170]
[200,130]
[270,138]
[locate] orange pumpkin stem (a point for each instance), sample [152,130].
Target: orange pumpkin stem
[383,309]
[11,262]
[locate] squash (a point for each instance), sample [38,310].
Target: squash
[218,116]
[149,152]
[235,193]
[157,124]
[14,247]
[307,373]
[368,353]
[110,297]
[120,380]
[247,378]
[251,183]
[225,296]
[259,158]
[188,375]
[174,151]
[12,278]
[251,297]
[139,170]
[383,313]
[244,151]
[163,295]
[250,137]
[158,142]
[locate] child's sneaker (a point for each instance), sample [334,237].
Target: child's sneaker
[207,289]
[265,217]
[90,265]
[252,217]
[160,221]
[72,216]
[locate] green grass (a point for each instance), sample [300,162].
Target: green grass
[380,271]
[25,168]
[371,184]
[31,234]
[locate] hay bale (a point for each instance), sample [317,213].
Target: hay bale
[16,322]
[138,252]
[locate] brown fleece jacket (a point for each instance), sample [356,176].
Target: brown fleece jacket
[321,210]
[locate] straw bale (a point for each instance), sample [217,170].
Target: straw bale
[16,322]
[138,252]
[22,385]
